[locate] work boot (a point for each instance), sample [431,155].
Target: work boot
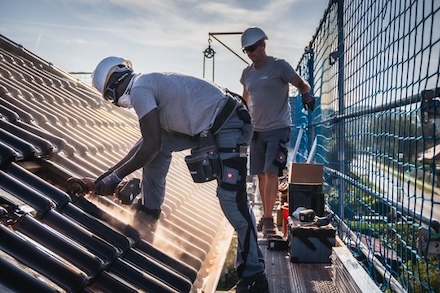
[140,209]
[268,227]
[253,284]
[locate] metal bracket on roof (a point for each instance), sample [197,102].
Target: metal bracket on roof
[10,213]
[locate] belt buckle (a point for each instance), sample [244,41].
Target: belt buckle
[243,151]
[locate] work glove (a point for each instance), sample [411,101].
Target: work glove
[105,174]
[308,101]
[108,184]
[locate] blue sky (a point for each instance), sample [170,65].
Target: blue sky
[158,35]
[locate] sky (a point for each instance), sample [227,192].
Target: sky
[159,35]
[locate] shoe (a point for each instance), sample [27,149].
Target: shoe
[146,212]
[268,227]
[261,222]
[254,284]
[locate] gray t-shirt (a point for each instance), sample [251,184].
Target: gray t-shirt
[268,88]
[186,104]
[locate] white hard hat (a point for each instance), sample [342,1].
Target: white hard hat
[105,68]
[252,35]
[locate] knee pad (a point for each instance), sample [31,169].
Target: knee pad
[233,175]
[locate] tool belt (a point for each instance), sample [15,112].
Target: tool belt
[204,161]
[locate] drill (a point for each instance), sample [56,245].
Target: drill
[126,191]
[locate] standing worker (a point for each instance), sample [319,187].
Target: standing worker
[178,112]
[266,92]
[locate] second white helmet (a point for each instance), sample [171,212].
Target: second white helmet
[252,35]
[105,68]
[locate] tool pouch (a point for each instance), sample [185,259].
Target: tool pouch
[203,164]
[281,157]
[204,161]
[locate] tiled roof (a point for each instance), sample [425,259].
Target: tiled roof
[54,127]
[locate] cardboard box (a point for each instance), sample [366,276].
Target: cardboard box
[302,173]
[311,244]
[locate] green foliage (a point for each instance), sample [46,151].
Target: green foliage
[422,275]
[393,140]
[419,274]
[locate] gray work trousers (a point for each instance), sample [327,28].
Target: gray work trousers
[231,189]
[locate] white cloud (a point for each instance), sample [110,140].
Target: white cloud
[158,34]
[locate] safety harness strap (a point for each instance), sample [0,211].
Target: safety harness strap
[224,114]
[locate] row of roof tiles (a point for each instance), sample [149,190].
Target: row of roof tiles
[54,127]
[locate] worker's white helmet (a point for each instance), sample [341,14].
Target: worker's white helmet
[252,35]
[105,68]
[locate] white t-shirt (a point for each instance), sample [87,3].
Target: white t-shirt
[186,104]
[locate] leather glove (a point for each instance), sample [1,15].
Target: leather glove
[308,101]
[108,184]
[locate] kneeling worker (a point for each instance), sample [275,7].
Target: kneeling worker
[178,112]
